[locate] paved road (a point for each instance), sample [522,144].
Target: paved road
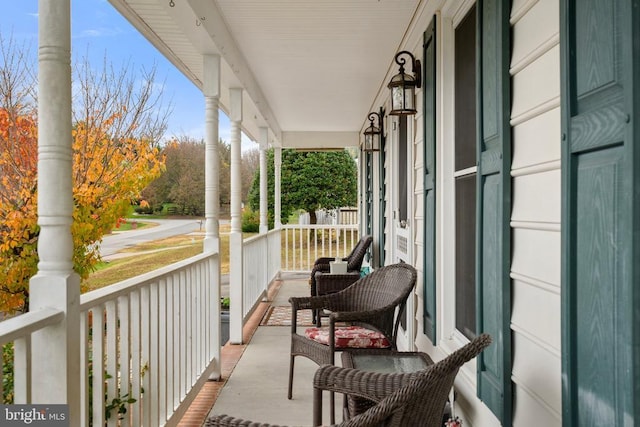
[166,228]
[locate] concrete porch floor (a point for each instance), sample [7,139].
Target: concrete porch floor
[255,375]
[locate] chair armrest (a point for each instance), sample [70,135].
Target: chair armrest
[369,385]
[325,260]
[225,420]
[356,316]
[307,303]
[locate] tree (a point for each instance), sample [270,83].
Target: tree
[310,181]
[117,123]
[183,180]
[250,164]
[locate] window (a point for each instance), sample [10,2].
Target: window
[465,174]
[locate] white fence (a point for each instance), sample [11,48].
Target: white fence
[303,244]
[332,217]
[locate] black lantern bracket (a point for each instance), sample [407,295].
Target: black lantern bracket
[373,135]
[416,68]
[403,85]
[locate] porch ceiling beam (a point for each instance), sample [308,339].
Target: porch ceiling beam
[320,140]
[217,29]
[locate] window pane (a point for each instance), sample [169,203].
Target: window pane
[465,92]
[465,185]
[466,255]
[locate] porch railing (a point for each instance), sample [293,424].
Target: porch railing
[151,339]
[260,266]
[157,342]
[18,330]
[148,343]
[303,244]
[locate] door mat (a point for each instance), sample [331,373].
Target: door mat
[281,316]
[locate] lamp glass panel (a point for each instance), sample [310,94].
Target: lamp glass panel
[409,98]
[397,98]
[368,141]
[375,138]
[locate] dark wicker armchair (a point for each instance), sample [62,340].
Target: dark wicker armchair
[415,399]
[369,307]
[354,261]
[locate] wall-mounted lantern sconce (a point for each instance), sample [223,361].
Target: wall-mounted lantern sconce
[374,134]
[403,86]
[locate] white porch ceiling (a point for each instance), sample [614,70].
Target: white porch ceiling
[311,69]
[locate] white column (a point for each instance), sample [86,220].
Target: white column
[211,91]
[264,206]
[55,349]
[277,161]
[236,291]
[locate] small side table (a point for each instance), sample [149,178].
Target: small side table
[383,361]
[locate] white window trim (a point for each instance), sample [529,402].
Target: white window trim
[451,339]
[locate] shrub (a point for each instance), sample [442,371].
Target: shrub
[250,221]
[7,373]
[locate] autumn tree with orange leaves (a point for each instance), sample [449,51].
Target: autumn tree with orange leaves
[118,120]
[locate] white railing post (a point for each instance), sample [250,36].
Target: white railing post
[22,361]
[55,349]
[235,237]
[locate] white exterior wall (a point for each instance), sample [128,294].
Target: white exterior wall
[535,220]
[535,273]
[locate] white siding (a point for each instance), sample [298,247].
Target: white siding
[535,117]
[535,221]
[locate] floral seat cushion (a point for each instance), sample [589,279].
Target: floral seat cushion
[349,337]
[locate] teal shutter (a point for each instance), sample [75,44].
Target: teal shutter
[369,193]
[429,93]
[494,206]
[600,54]
[382,190]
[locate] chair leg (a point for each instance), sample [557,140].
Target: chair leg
[332,409]
[317,407]
[290,394]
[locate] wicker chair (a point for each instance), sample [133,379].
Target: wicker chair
[371,303]
[354,261]
[415,399]
[321,268]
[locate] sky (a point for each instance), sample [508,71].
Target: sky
[99,31]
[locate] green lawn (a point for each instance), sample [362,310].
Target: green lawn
[167,251]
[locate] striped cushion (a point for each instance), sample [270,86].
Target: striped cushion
[349,337]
